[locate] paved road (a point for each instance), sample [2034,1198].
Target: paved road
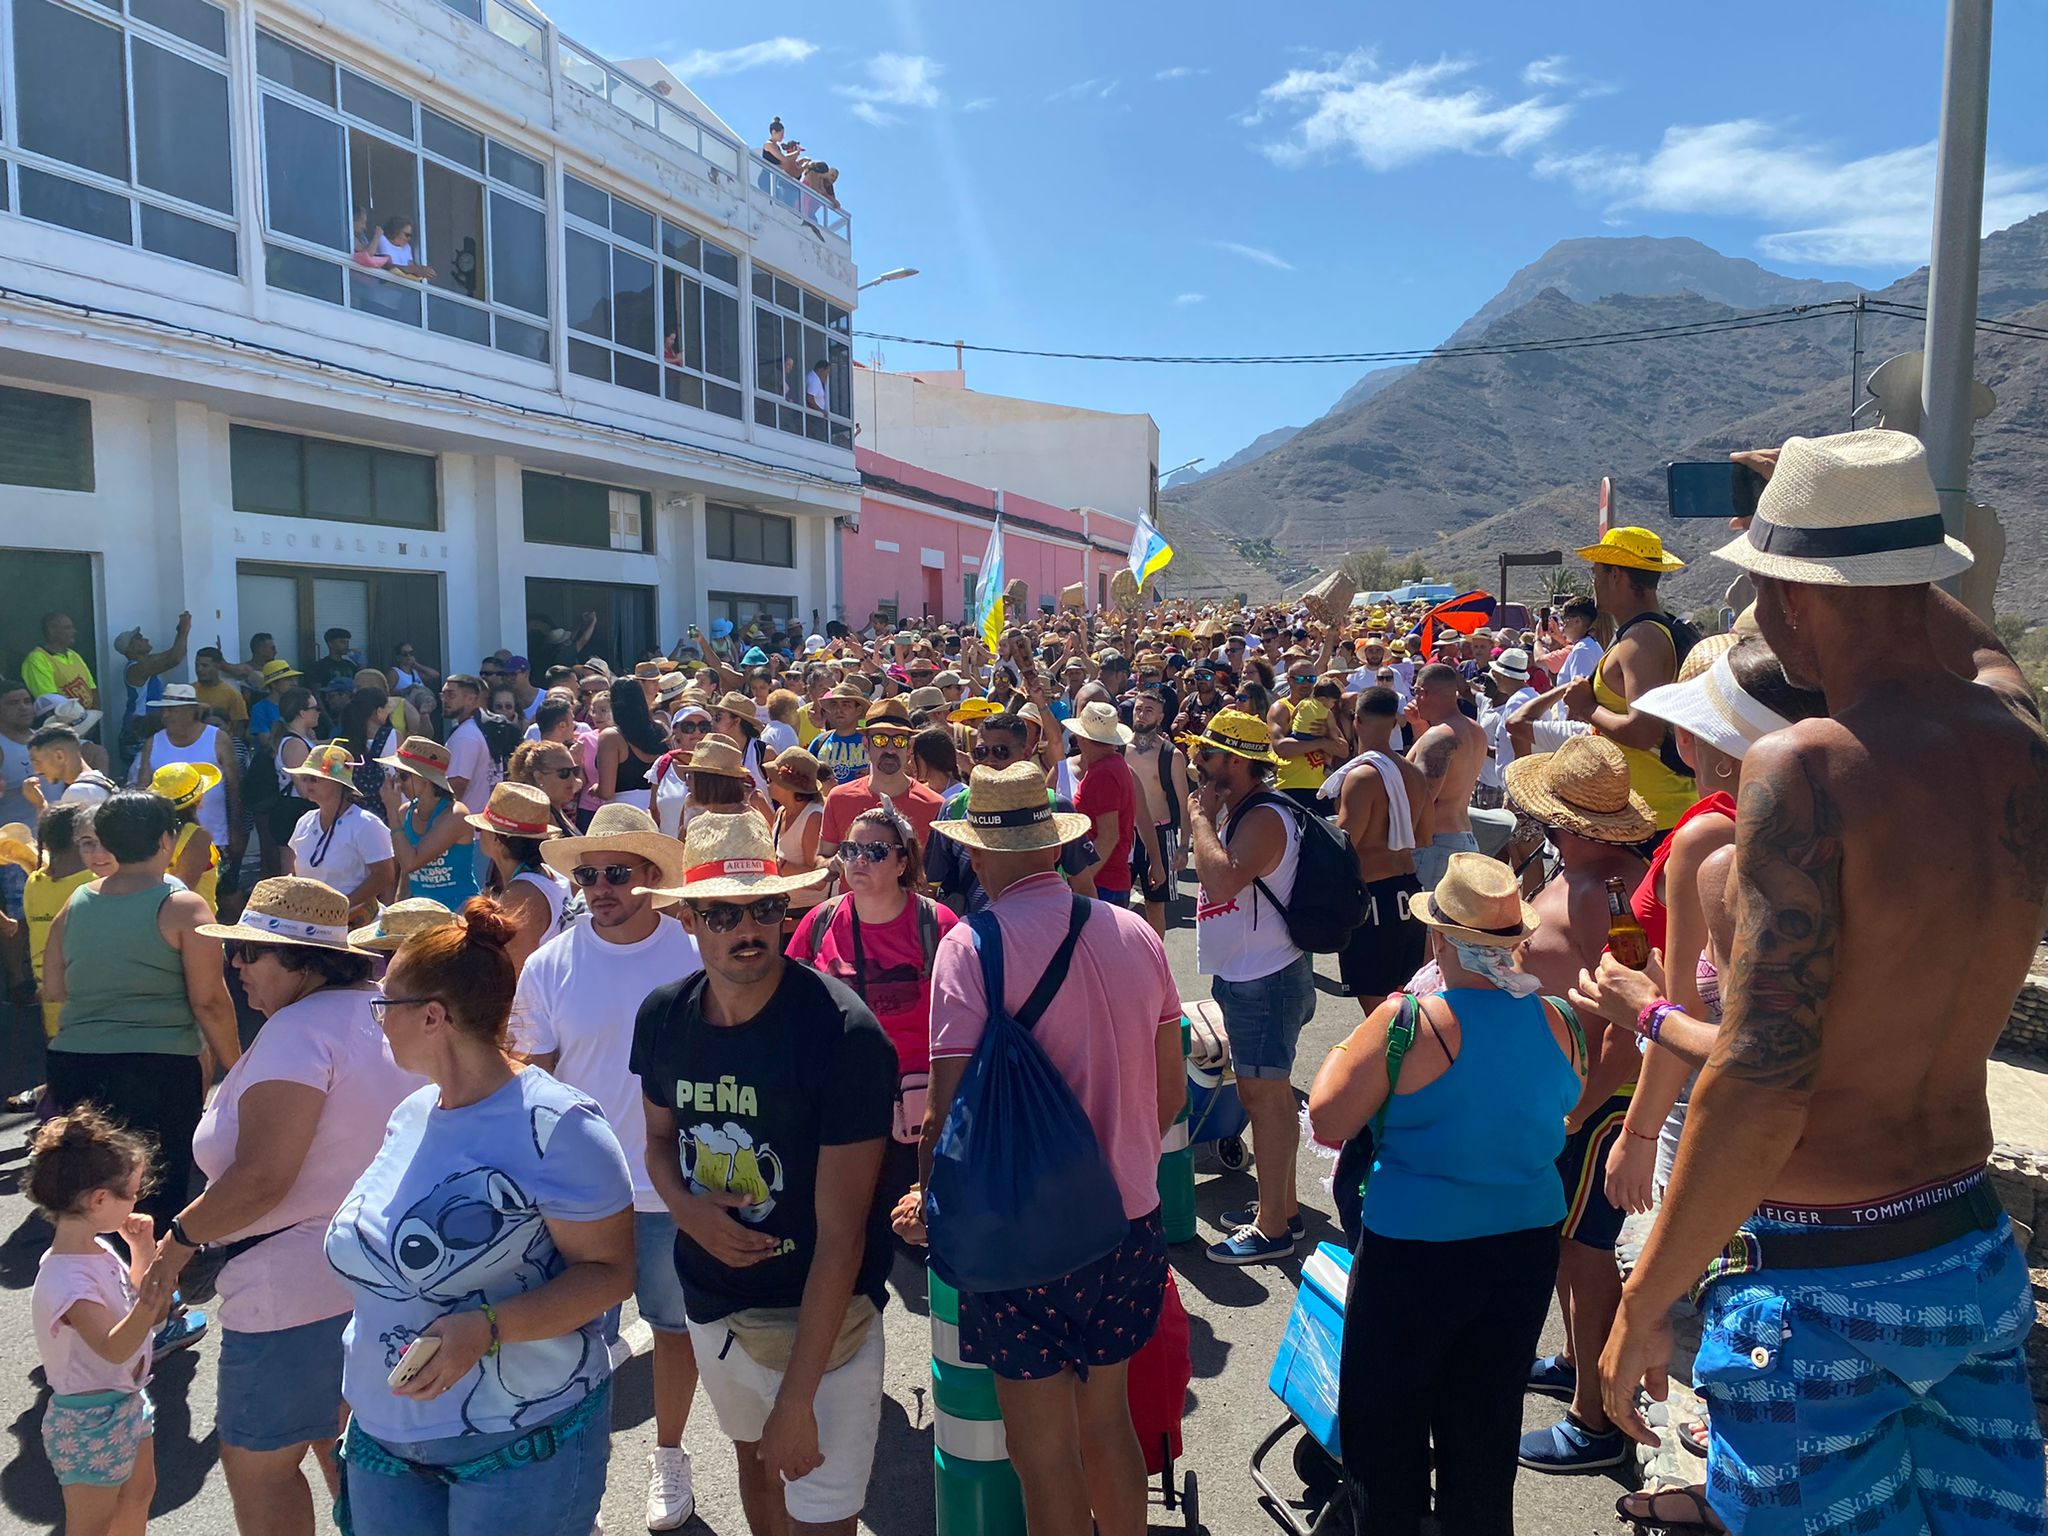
[1238,1316]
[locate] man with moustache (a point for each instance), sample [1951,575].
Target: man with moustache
[887,735]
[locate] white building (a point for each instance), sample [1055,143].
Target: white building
[588,395]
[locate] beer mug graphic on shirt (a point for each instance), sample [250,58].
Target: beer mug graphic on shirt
[725,1160]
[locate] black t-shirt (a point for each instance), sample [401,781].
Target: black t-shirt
[753,1104]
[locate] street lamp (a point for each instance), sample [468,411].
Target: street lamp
[1191,463]
[893,275]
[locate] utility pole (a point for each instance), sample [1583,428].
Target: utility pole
[1945,385]
[1856,364]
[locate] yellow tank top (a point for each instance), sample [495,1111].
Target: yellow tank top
[1308,720]
[41,900]
[208,882]
[1670,794]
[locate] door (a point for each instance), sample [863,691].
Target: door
[934,593]
[296,605]
[624,632]
[41,582]
[339,603]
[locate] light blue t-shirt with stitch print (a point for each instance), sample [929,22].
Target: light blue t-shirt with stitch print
[452,1212]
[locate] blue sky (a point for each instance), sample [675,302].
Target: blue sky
[1324,176]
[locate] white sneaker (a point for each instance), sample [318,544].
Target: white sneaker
[669,1498]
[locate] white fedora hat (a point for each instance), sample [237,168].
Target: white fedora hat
[1857,509]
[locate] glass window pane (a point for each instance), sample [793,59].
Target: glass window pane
[764,411]
[693,335]
[55,200]
[338,480]
[384,180]
[721,264]
[374,104]
[790,419]
[519,255]
[724,401]
[389,298]
[775,372]
[72,90]
[633,318]
[521,172]
[764,285]
[590,360]
[181,128]
[267,471]
[521,340]
[814,309]
[590,286]
[678,244]
[204,245]
[636,224]
[636,373]
[451,318]
[452,141]
[452,230]
[788,296]
[296,272]
[302,163]
[838,319]
[290,65]
[683,388]
[193,20]
[746,538]
[585,201]
[722,336]
[402,486]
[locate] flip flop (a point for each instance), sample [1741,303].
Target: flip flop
[1692,1434]
[1697,1517]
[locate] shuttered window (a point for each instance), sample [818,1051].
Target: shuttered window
[45,440]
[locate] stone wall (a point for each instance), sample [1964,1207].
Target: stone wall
[2027,1028]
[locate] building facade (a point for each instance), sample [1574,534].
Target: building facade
[411,317]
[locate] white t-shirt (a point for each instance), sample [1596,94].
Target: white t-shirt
[814,391]
[469,758]
[1579,661]
[579,995]
[1495,723]
[358,841]
[777,738]
[69,1363]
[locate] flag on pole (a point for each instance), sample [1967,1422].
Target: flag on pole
[1150,554]
[988,587]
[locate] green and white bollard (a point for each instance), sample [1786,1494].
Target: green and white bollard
[977,1492]
[1177,1167]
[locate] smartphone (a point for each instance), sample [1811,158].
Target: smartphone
[414,1360]
[1720,488]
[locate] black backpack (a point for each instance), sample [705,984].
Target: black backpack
[501,736]
[1327,866]
[1683,638]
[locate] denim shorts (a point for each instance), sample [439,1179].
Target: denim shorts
[281,1388]
[657,1288]
[1265,1017]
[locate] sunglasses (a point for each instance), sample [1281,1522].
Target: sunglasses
[895,740]
[724,916]
[1302,677]
[690,727]
[248,951]
[873,853]
[1000,752]
[1203,675]
[564,773]
[612,874]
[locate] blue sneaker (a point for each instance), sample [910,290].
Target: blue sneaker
[180,1330]
[1248,1216]
[1568,1446]
[1247,1245]
[1553,1376]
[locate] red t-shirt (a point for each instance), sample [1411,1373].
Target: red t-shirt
[920,806]
[1107,789]
[895,985]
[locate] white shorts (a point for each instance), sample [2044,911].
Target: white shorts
[848,1409]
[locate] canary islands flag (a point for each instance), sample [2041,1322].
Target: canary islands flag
[988,588]
[1150,554]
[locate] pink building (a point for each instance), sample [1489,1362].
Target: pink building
[922,534]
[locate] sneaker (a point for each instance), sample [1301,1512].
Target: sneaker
[181,1330]
[1553,1376]
[1248,1216]
[1568,1446]
[1248,1245]
[670,1500]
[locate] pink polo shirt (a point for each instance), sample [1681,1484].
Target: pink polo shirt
[1100,1029]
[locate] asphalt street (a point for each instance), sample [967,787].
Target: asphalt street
[1237,1316]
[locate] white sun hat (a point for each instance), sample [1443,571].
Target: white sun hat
[1715,708]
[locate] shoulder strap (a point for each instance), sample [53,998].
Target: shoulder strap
[820,921]
[1288,809]
[1056,969]
[1570,1015]
[927,931]
[1400,1035]
[988,944]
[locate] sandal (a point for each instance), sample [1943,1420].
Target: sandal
[1692,1434]
[1697,1516]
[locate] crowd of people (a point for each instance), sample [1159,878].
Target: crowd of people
[682,978]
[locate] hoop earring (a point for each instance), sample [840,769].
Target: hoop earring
[1724,771]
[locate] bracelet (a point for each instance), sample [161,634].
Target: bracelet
[1650,1022]
[491,1316]
[178,1235]
[1639,1136]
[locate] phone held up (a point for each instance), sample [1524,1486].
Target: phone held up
[1719,488]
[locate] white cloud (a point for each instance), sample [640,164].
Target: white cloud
[1392,120]
[703,63]
[1547,73]
[1181,72]
[894,80]
[1259,254]
[1096,88]
[1873,211]
[1185,299]
[979,104]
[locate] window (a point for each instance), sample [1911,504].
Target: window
[700,322]
[350,163]
[752,538]
[743,608]
[559,510]
[129,116]
[802,351]
[287,475]
[45,440]
[612,288]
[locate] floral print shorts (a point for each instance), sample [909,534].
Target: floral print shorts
[92,1437]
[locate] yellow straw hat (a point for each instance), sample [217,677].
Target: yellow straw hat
[400,921]
[1636,548]
[1240,734]
[184,784]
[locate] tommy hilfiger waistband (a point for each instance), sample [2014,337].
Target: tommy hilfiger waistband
[1870,1213]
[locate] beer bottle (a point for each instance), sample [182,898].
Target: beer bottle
[1626,940]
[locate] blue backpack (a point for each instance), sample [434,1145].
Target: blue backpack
[1020,1192]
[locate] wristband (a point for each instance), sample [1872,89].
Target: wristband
[491,1316]
[178,1236]
[1650,1022]
[1639,1136]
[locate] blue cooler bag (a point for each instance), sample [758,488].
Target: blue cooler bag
[1020,1192]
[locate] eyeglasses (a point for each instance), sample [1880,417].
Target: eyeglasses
[690,727]
[564,773]
[380,1005]
[874,853]
[248,951]
[724,916]
[612,874]
[893,740]
[994,752]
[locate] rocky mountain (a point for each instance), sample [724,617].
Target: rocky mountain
[1467,457]
[1258,447]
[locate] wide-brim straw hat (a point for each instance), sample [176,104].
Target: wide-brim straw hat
[516,810]
[797,768]
[729,856]
[618,828]
[887,712]
[1638,549]
[1582,788]
[184,784]
[1235,732]
[330,761]
[290,909]
[1008,811]
[1478,901]
[718,754]
[278,671]
[1098,722]
[174,696]
[1857,509]
[739,705]
[400,921]
[969,710]
[424,756]
[1714,707]
[18,844]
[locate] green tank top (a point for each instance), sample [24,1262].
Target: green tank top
[124,986]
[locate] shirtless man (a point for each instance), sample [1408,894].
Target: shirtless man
[1160,770]
[1450,750]
[1388,948]
[1891,868]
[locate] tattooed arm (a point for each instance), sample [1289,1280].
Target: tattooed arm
[1433,753]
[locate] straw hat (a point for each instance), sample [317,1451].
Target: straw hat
[424,756]
[647,671]
[184,784]
[330,762]
[798,769]
[62,709]
[673,686]
[1704,654]
[718,754]
[1008,812]
[174,696]
[740,705]
[924,701]
[516,810]
[728,856]
[400,921]
[278,671]
[1478,901]
[1511,665]
[1240,734]
[847,690]
[969,711]
[1097,721]
[618,828]
[887,712]
[1582,788]
[1636,548]
[18,845]
[948,679]
[1857,509]
[290,909]
[1714,706]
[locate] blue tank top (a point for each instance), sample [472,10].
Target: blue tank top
[449,879]
[1475,1152]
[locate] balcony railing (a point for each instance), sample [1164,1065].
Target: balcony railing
[803,202]
[524,29]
